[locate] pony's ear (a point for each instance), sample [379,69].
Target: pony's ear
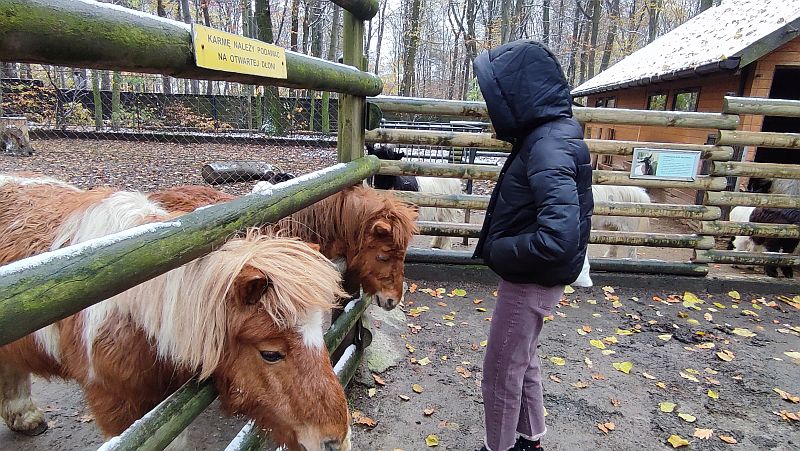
[250,285]
[314,246]
[381,228]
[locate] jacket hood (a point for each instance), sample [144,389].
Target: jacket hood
[524,87]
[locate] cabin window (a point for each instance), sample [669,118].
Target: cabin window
[605,102]
[685,100]
[657,102]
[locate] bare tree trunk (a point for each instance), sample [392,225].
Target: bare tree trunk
[518,21]
[471,46]
[653,13]
[505,21]
[546,22]
[595,24]
[10,70]
[573,46]
[295,31]
[166,82]
[25,70]
[610,35]
[704,5]
[411,43]
[306,25]
[186,16]
[382,22]
[207,21]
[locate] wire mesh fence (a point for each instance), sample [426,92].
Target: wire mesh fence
[181,131]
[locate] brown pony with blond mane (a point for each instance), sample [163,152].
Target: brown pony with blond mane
[370,230]
[248,314]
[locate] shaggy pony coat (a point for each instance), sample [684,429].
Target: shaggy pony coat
[210,317]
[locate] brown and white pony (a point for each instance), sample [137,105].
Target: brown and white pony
[369,230]
[249,315]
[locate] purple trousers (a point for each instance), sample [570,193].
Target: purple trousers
[512,377]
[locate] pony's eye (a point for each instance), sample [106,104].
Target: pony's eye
[382,258]
[271,356]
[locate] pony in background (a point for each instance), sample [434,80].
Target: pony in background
[369,231]
[430,185]
[614,193]
[248,314]
[775,244]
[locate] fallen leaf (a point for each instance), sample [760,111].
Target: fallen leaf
[555,378]
[623,332]
[465,373]
[412,288]
[568,290]
[742,332]
[606,427]
[432,440]
[480,309]
[661,385]
[719,305]
[586,328]
[378,380]
[608,351]
[417,388]
[665,337]
[689,300]
[477,301]
[711,371]
[725,355]
[598,376]
[448,317]
[703,434]
[687,417]
[592,301]
[706,345]
[588,362]
[625,367]
[403,397]
[615,402]
[666,406]
[441,304]
[688,377]
[608,289]
[86,418]
[410,348]
[428,412]
[557,361]
[424,361]
[708,317]
[787,396]
[459,292]
[612,340]
[484,343]
[579,384]
[677,441]
[734,295]
[792,354]
[788,416]
[648,376]
[728,439]
[371,392]
[597,344]
[712,394]
[360,418]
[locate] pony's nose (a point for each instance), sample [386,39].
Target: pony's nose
[331,445]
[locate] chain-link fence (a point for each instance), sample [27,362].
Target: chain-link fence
[148,131]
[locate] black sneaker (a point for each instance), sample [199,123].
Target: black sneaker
[524,444]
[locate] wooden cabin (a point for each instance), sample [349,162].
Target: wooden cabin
[741,47]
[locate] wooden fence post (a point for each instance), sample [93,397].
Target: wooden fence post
[351,108]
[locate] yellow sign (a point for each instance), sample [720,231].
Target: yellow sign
[219,50]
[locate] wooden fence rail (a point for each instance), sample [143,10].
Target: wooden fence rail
[729,198]
[747,169]
[762,139]
[102,36]
[40,290]
[766,107]
[391,104]
[727,228]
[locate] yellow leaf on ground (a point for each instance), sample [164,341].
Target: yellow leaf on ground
[688,377]
[725,355]
[687,417]
[568,290]
[371,392]
[665,337]
[480,309]
[484,343]
[597,344]
[612,340]
[787,396]
[557,361]
[693,322]
[459,292]
[432,440]
[661,385]
[623,332]
[719,305]
[728,439]
[703,434]
[743,332]
[712,394]
[734,295]
[608,352]
[792,354]
[666,406]
[625,367]
[448,317]
[424,361]
[648,376]
[608,289]
[417,388]
[677,441]
[410,348]
[706,345]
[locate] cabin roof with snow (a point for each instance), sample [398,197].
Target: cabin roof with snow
[725,37]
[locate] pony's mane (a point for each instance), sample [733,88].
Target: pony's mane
[186,309]
[345,214]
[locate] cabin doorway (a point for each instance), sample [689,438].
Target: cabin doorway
[784,86]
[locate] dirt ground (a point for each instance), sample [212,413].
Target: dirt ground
[744,410]
[670,345]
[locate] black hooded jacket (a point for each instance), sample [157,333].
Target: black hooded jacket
[537,225]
